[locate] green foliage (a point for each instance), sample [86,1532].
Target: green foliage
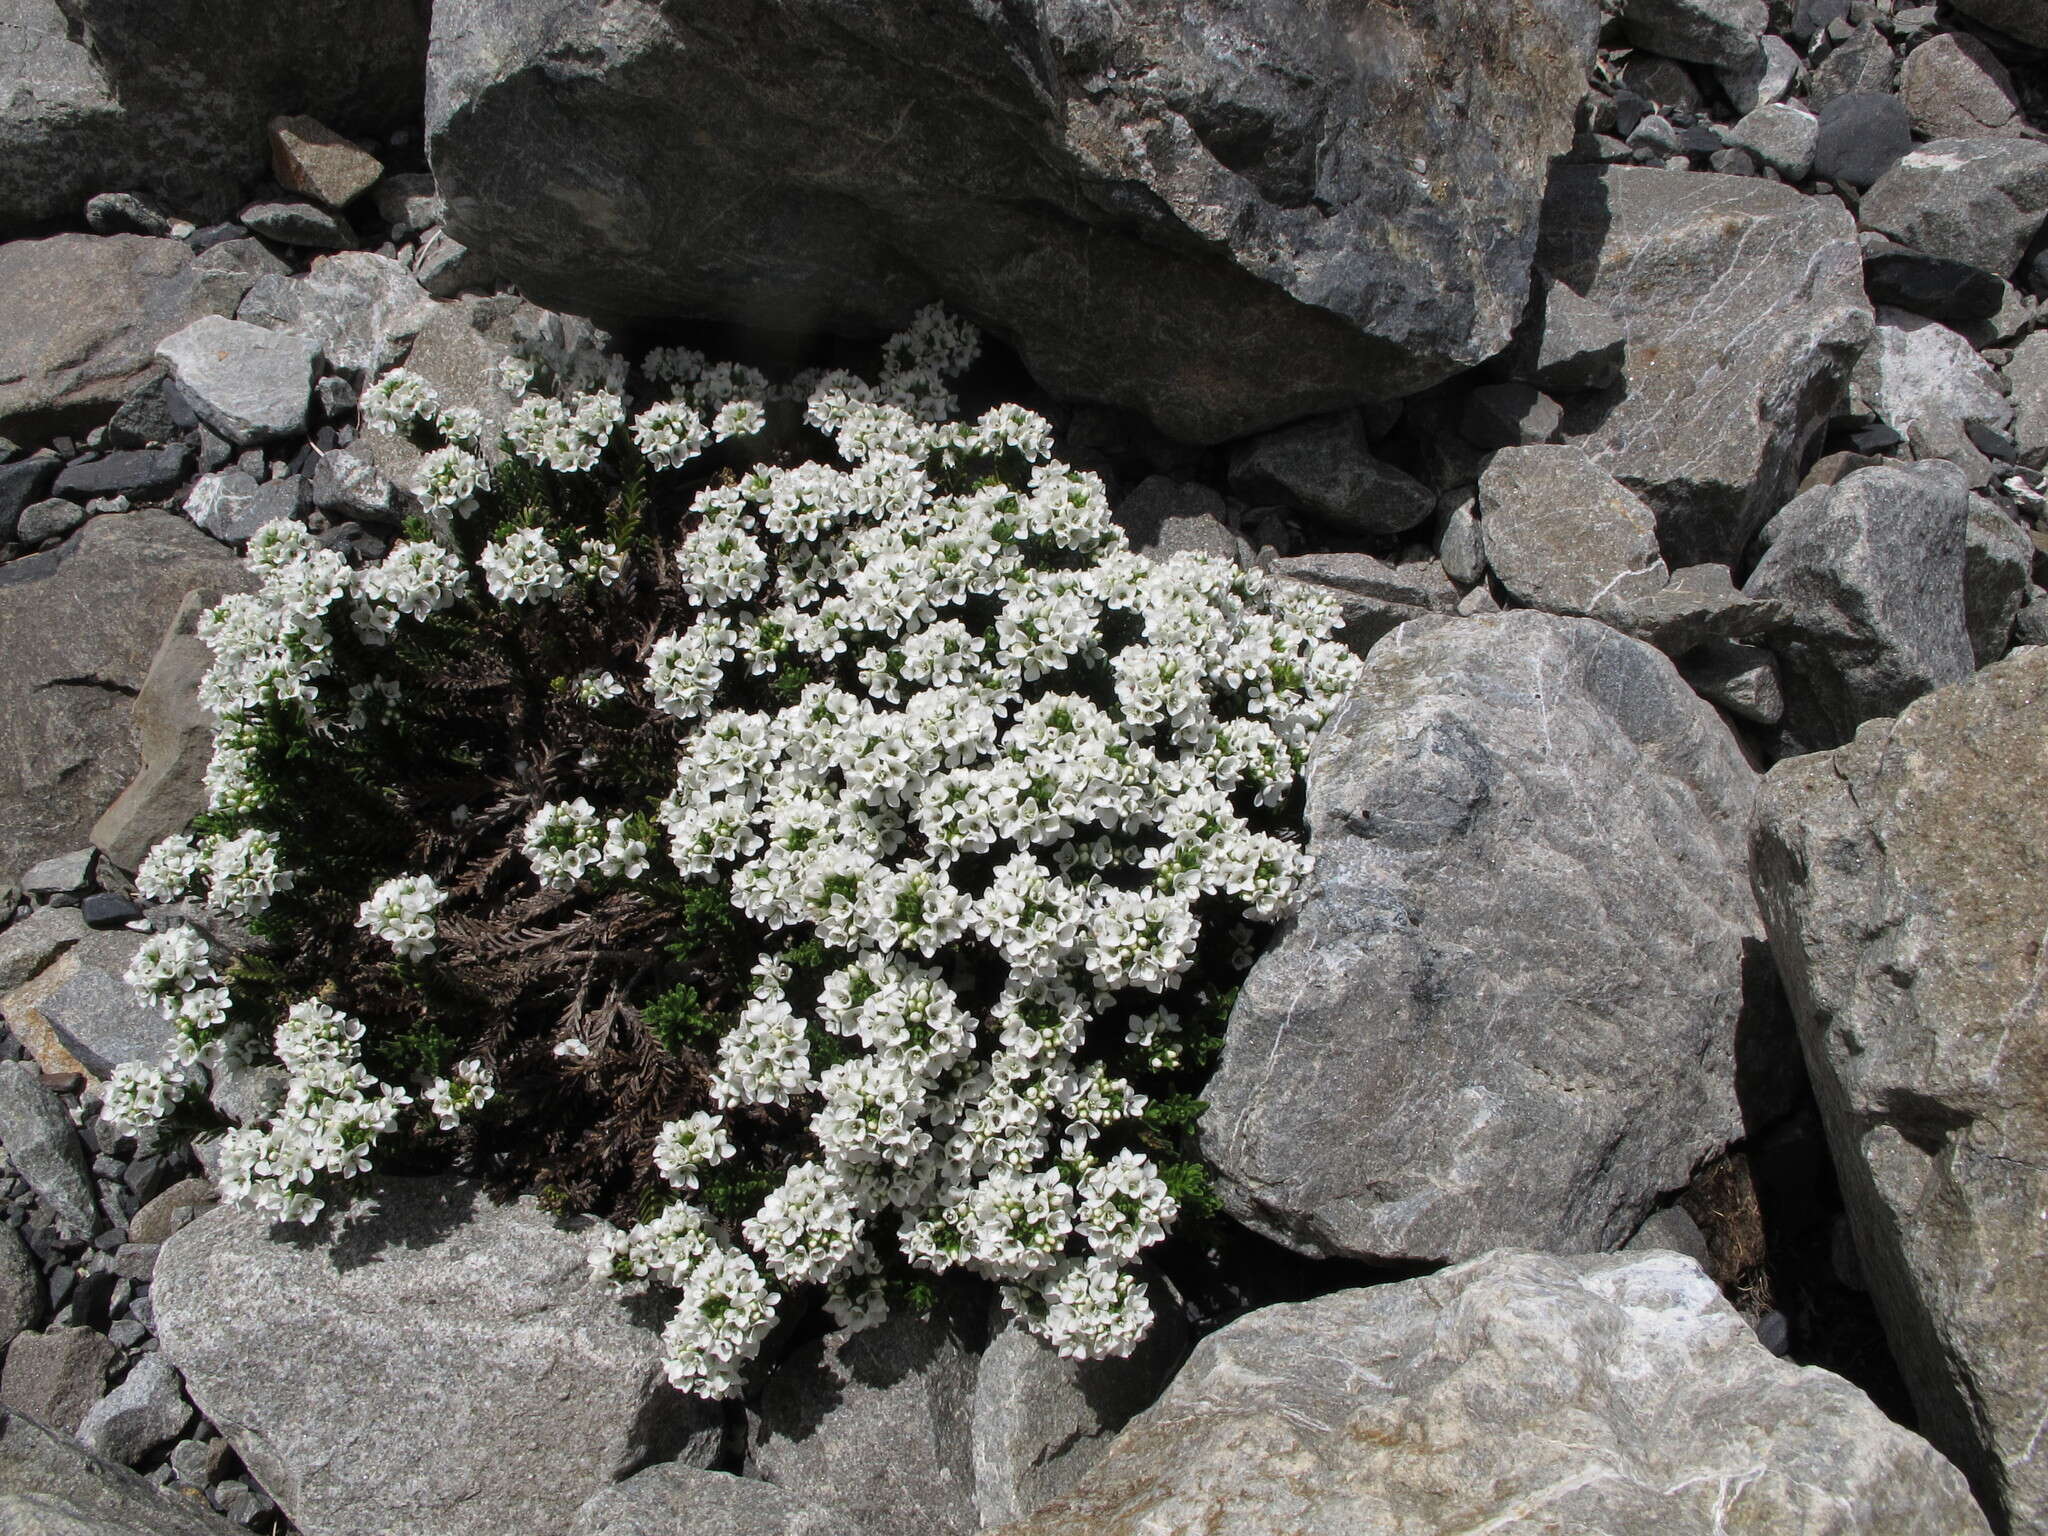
[679,1020]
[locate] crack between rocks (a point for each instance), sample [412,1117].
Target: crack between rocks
[105,684]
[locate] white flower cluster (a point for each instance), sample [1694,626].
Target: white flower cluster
[174,973]
[451,1098]
[449,478]
[401,912]
[566,841]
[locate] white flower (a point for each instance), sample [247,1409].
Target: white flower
[401,912]
[398,399]
[572,1049]
[452,1098]
[523,567]
[595,688]
[685,1147]
[245,872]
[740,418]
[449,479]
[563,842]
[669,435]
[169,869]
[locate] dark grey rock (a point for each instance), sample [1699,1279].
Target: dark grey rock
[1783,137]
[1901,882]
[1955,88]
[1666,82]
[346,484]
[85,315]
[1508,416]
[1460,541]
[878,1426]
[1671,1231]
[242,254]
[1506,1008]
[1933,286]
[446,267]
[222,502]
[249,384]
[125,213]
[1273,220]
[21,1288]
[22,484]
[60,126]
[2027,377]
[43,1146]
[481,1378]
[1373,596]
[52,1486]
[336,397]
[299,224]
[663,1500]
[1862,136]
[1867,576]
[1742,304]
[1617,1393]
[1726,34]
[2018,18]
[1997,555]
[1863,64]
[141,474]
[46,520]
[146,1412]
[1742,679]
[1164,517]
[409,204]
[1568,342]
[1979,201]
[1327,469]
[154,414]
[56,1375]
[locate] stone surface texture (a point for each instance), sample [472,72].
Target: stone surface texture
[1326,468]
[1742,303]
[1506,1009]
[1518,1393]
[43,1147]
[1955,88]
[50,1485]
[1976,200]
[59,121]
[362,308]
[438,1364]
[249,384]
[1272,209]
[1902,882]
[669,1500]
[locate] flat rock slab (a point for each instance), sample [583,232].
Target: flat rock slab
[1506,1010]
[668,1500]
[1742,305]
[1520,1394]
[435,1364]
[43,1146]
[249,384]
[1228,217]
[51,1484]
[1904,887]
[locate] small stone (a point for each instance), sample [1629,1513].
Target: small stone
[1862,136]
[1929,384]
[125,213]
[1672,1231]
[145,1412]
[249,383]
[409,204]
[1742,679]
[142,474]
[1782,137]
[1460,540]
[312,158]
[1734,162]
[57,1375]
[52,519]
[1997,556]
[67,874]
[21,483]
[1654,137]
[446,267]
[21,1288]
[197,1463]
[336,397]
[135,1261]
[300,224]
[1327,468]
[1862,62]
[1664,81]
[347,484]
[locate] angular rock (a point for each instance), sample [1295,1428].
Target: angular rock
[126,213]
[2017,18]
[91,1010]
[1933,286]
[345,482]
[1507,1006]
[1273,217]
[446,267]
[166,1212]
[1460,541]
[1616,1393]
[1508,416]
[1903,887]
[153,414]
[86,313]
[1979,201]
[21,1289]
[1568,342]
[1862,136]
[304,224]
[23,484]
[877,1426]
[1041,1421]
[1742,304]
[1373,597]
[249,384]
[308,156]
[65,874]
[1765,79]
[43,1146]
[1997,556]
[28,946]
[409,204]
[1327,469]
[1164,517]
[67,738]
[1867,576]
[1726,34]
[56,1375]
[221,501]
[60,126]
[52,1486]
[1742,679]
[141,474]
[663,1500]
[1671,1231]
[1955,88]
[146,1412]
[2027,377]
[438,1364]
[1864,64]
[1928,384]
[1782,136]
[363,309]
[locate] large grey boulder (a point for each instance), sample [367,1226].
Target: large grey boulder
[1978,201]
[1955,88]
[1506,1009]
[58,116]
[434,1363]
[1228,215]
[1997,558]
[50,1485]
[85,314]
[668,1499]
[2022,19]
[43,1146]
[1742,304]
[1518,1393]
[1727,34]
[878,1426]
[1902,881]
[1867,580]
[79,639]
[249,384]
[363,309]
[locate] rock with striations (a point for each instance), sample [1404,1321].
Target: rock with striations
[1902,881]
[1956,88]
[1506,1009]
[877,1426]
[1928,384]
[1327,468]
[1612,1393]
[1978,200]
[434,1363]
[1727,34]
[665,1500]
[1567,342]
[85,315]
[249,384]
[1866,578]
[60,126]
[43,1146]
[1997,556]
[363,309]
[50,1485]
[1227,216]
[79,638]
[1741,304]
